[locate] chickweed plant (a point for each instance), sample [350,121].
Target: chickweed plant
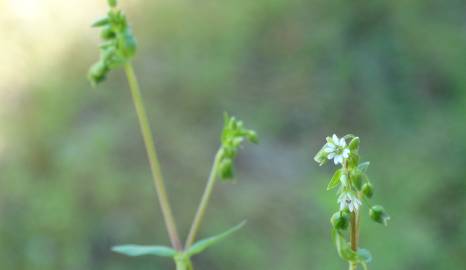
[117,50]
[354,189]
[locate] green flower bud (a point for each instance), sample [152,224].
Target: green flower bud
[357,178]
[107,33]
[97,72]
[368,190]
[379,215]
[252,136]
[226,169]
[321,157]
[112,3]
[354,144]
[340,220]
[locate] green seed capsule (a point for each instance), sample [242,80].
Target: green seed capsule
[379,215]
[357,178]
[368,190]
[226,169]
[97,73]
[107,33]
[252,136]
[340,220]
[112,3]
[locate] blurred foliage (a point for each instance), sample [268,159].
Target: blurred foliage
[74,179]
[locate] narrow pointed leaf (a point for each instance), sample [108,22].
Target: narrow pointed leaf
[335,180]
[201,245]
[137,250]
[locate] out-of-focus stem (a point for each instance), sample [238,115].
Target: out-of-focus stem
[152,156]
[204,201]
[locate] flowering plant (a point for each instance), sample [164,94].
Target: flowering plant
[354,188]
[117,49]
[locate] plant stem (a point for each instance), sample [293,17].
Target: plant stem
[204,201]
[354,235]
[152,156]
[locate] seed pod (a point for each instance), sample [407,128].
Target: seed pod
[340,220]
[379,215]
[226,169]
[97,72]
[368,190]
[107,33]
[252,136]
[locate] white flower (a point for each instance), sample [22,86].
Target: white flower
[336,149]
[348,200]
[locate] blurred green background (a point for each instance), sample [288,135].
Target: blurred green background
[74,179]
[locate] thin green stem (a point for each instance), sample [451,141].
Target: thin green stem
[204,201]
[152,156]
[354,223]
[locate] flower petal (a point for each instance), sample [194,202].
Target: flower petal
[335,139]
[329,148]
[331,155]
[342,142]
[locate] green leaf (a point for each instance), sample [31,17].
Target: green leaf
[345,251]
[364,255]
[335,180]
[137,250]
[201,245]
[363,166]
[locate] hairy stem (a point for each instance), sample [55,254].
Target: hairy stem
[152,156]
[204,201]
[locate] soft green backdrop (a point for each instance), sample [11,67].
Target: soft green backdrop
[74,179]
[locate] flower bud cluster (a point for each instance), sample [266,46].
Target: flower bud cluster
[118,43]
[234,133]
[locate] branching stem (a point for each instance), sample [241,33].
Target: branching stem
[152,156]
[204,201]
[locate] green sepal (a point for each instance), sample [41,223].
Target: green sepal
[353,160]
[139,250]
[363,166]
[201,245]
[101,22]
[321,156]
[354,144]
[335,181]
